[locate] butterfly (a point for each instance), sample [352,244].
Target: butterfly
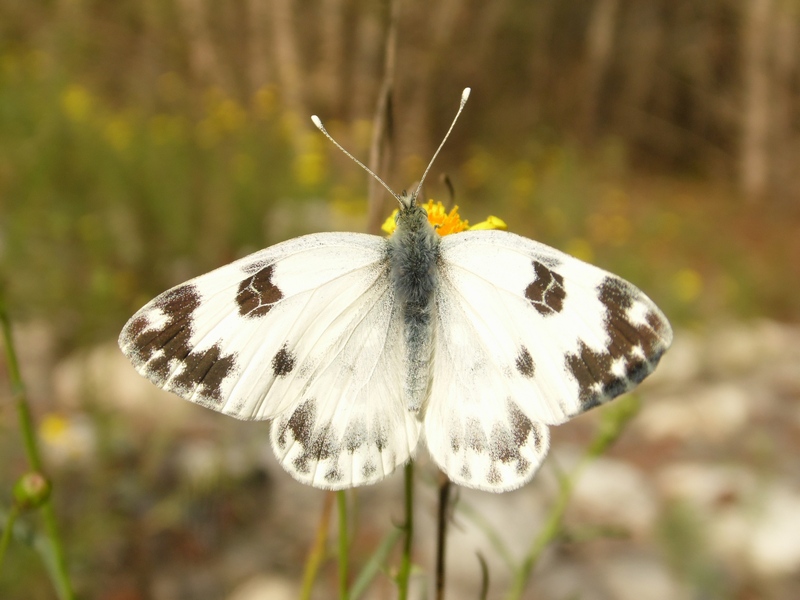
[359,347]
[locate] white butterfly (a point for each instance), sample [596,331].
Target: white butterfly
[358,346]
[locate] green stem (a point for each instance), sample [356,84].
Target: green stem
[12,516]
[18,394]
[405,561]
[548,533]
[317,552]
[60,574]
[341,500]
[613,422]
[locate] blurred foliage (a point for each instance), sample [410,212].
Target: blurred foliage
[100,203]
[103,205]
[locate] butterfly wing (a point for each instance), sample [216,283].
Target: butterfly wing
[526,337]
[306,332]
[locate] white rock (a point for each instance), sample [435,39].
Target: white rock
[730,534]
[706,486]
[715,413]
[748,523]
[200,462]
[565,579]
[104,375]
[265,587]
[775,548]
[637,576]
[615,493]
[682,363]
[740,347]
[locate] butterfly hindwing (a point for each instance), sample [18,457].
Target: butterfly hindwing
[306,332]
[527,336]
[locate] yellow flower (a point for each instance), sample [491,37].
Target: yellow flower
[446,223]
[53,428]
[118,132]
[688,285]
[76,101]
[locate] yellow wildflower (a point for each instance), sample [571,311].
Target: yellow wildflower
[76,101]
[446,223]
[118,132]
[688,285]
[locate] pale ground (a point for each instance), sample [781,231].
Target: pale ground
[700,498]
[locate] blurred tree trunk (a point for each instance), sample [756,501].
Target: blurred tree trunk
[642,43]
[329,73]
[287,57]
[258,35]
[756,110]
[381,153]
[540,62]
[441,25]
[599,45]
[203,60]
[785,134]
[149,53]
[366,61]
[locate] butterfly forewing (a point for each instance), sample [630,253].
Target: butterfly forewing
[306,332]
[527,337]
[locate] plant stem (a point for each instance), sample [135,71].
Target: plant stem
[484,577]
[341,500]
[405,561]
[375,563]
[18,394]
[612,423]
[318,549]
[441,538]
[549,532]
[12,516]
[60,574]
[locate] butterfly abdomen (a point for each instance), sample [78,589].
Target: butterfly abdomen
[413,257]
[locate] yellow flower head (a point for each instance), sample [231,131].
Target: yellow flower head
[446,223]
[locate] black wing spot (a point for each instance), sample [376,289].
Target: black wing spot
[546,293]
[474,437]
[378,435]
[157,347]
[355,435]
[334,474]
[301,424]
[209,369]
[318,444]
[525,363]
[283,362]
[592,368]
[258,294]
[368,469]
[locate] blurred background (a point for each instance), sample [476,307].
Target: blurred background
[143,143]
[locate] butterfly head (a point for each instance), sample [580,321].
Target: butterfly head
[411,216]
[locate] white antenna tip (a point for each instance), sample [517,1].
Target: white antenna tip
[317,122]
[465,94]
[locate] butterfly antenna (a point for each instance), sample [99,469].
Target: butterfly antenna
[464,98]
[321,127]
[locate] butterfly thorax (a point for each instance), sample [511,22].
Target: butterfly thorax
[413,260]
